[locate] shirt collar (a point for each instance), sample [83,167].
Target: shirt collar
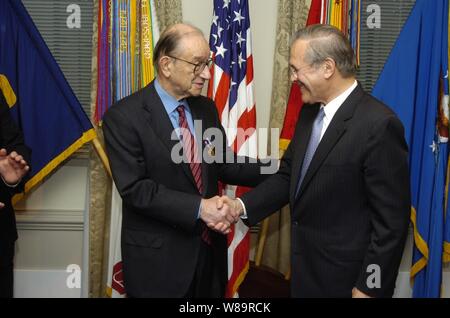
[170,103]
[332,107]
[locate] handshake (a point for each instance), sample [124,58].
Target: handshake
[219,213]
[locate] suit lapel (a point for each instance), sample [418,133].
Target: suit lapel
[158,119]
[334,132]
[307,116]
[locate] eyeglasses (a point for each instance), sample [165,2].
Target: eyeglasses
[199,67]
[294,71]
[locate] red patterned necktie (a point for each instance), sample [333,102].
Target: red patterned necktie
[191,153]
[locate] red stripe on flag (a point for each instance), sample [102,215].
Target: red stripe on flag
[240,263]
[222,92]
[246,121]
[249,74]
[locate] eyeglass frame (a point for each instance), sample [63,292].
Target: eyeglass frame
[294,72]
[197,66]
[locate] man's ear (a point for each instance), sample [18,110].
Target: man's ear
[329,66]
[165,65]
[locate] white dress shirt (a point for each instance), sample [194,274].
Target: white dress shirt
[332,107]
[330,110]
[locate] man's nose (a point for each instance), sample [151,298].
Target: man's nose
[205,74]
[293,76]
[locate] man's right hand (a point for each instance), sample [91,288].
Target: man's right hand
[235,206]
[218,214]
[1,205]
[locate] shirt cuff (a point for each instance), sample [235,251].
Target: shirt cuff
[199,210]
[244,215]
[11,185]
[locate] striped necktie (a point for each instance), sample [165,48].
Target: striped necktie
[191,153]
[314,141]
[190,148]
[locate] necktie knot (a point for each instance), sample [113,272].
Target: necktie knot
[180,110]
[320,114]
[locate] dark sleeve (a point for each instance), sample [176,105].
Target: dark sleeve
[386,177]
[272,194]
[241,170]
[11,138]
[140,193]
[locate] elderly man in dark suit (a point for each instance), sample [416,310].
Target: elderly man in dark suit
[13,167]
[167,249]
[344,175]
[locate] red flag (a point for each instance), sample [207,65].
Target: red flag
[295,103]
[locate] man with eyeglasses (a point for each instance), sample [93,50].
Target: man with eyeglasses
[167,248]
[345,176]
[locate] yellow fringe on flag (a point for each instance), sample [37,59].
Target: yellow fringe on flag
[240,279]
[421,245]
[7,90]
[86,137]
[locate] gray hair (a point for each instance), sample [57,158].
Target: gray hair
[326,41]
[169,41]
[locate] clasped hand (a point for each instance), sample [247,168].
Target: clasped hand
[219,213]
[12,167]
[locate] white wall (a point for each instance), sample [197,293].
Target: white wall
[51,226]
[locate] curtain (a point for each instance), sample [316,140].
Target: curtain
[168,12]
[292,15]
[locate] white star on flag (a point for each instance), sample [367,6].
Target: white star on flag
[433,147]
[240,60]
[221,50]
[238,17]
[240,38]
[215,18]
[219,30]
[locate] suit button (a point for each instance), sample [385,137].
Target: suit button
[295,223]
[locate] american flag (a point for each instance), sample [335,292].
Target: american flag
[231,87]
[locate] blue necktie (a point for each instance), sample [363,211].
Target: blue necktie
[312,146]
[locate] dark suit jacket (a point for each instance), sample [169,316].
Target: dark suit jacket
[12,140]
[160,229]
[353,207]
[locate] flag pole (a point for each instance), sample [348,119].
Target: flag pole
[102,155]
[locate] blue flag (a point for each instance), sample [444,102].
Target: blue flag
[410,83]
[41,101]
